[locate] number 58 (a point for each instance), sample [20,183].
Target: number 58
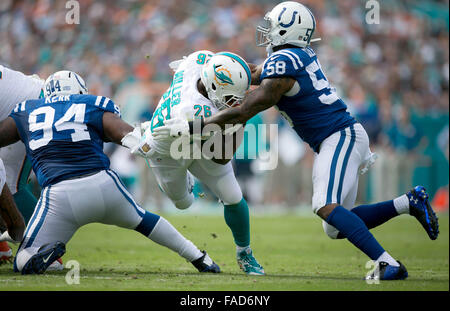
[278,67]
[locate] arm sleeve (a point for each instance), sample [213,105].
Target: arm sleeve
[282,64]
[105,104]
[98,105]
[20,116]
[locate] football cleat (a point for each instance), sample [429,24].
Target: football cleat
[386,272]
[57,265]
[206,264]
[5,253]
[420,207]
[248,263]
[46,255]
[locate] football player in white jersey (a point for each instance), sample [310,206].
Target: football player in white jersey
[203,84]
[16,87]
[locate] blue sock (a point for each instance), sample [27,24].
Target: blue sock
[374,215]
[354,229]
[147,223]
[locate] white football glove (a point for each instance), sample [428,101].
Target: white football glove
[138,144]
[172,128]
[143,149]
[132,139]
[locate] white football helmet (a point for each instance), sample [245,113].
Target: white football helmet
[64,83]
[288,23]
[226,77]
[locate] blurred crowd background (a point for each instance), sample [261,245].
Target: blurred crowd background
[394,77]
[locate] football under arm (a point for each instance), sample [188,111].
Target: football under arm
[8,132]
[10,215]
[114,128]
[265,96]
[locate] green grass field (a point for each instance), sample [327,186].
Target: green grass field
[293,249]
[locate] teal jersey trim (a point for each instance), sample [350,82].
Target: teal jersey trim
[25,172]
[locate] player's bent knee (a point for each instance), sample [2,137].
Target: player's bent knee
[325,211]
[231,196]
[234,201]
[329,230]
[228,190]
[318,201]
[185,202]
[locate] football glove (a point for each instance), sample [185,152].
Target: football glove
[172,128]
[132,139]
[136,143]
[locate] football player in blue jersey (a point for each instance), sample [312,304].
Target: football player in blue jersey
[292,80]
[63,134]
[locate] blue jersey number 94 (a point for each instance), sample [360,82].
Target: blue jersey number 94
[47,125]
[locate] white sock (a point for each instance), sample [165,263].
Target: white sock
[388,258]
[165,234]
[401,204]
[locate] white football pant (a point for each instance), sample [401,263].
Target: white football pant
[14,159]
[336,170]
[173,179]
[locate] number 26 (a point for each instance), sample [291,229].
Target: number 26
[206,110]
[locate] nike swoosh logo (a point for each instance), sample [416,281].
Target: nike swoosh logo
[46,259]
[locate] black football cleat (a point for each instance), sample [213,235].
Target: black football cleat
[46,255]
[386,272]
[206,264]
[420,207]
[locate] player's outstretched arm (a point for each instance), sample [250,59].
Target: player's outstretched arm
[10,215]
[114,128]
[265,96]
[8,132]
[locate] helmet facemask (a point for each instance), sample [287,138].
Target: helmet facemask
[262,32]
[229,101]
[222,101]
